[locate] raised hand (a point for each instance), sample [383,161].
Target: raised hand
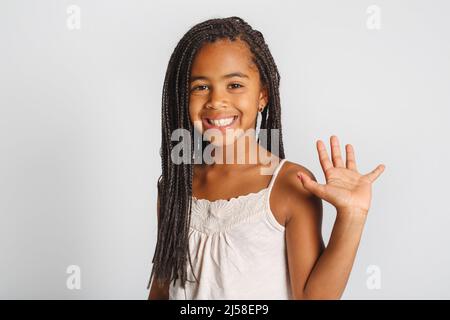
[345,188]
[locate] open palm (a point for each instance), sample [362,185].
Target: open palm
[345,188]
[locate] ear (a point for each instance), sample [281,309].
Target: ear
[263,97]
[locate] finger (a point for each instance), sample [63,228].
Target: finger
[323,156]
[311,185]
[372,176]
[336,152]
[350,158]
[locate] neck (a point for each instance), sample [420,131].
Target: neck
[244,151]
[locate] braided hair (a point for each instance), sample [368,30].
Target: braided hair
[175,183]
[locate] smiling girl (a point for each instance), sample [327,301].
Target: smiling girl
[225,230]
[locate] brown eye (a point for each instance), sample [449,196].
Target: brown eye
[233,85]
[197,88]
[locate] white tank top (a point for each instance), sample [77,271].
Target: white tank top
[237,249]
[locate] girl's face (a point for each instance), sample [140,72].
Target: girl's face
[225,84]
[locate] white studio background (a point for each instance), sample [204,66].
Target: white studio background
[80,133]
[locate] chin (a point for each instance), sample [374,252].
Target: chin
[222,141]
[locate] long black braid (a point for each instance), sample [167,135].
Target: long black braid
[175,183]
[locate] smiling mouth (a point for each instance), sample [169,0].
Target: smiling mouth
[224,122]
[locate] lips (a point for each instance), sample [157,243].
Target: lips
[220,121]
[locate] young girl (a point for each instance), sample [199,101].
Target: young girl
[225,229]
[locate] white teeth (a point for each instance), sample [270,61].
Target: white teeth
[221,122]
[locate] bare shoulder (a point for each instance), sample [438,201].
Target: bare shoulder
[293,198]
[292,168]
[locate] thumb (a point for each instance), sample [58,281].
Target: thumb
[311,185]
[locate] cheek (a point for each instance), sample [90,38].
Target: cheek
[195,106]
[194,114]
[248,110]
[248,120]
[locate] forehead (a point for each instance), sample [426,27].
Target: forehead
[223,56]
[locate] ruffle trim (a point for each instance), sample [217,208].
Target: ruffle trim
[220,215]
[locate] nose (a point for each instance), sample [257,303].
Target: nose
[216,99]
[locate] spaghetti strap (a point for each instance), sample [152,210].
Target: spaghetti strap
[237,228]
[275,173]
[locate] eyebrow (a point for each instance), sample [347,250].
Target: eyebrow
[230,75]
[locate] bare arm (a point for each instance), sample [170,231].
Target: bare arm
[157,293]
[318,272]
[350,193]
[330,275]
